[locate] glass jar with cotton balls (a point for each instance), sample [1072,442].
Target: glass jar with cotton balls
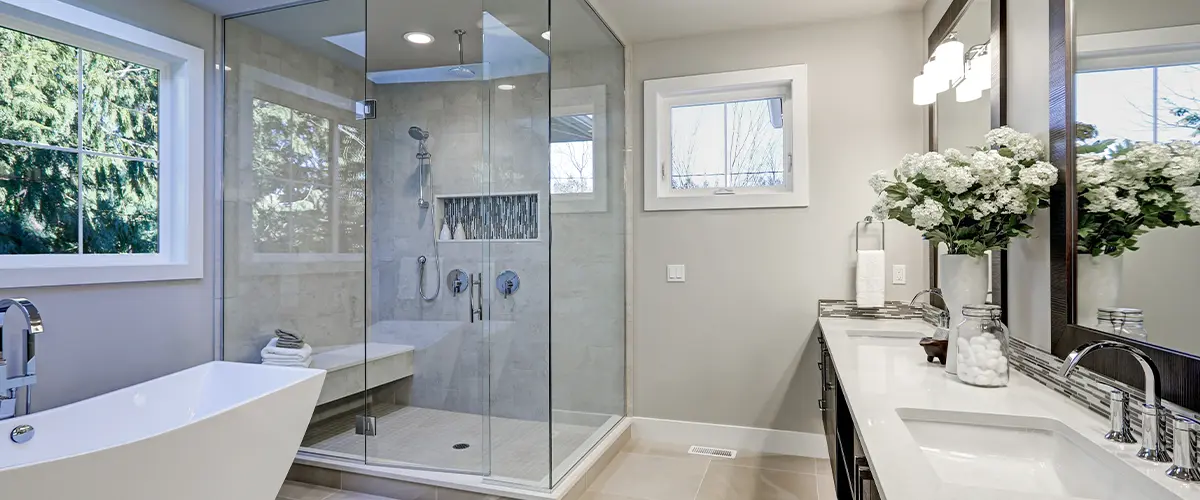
[983,350]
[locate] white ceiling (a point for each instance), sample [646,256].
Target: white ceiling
[308,26]
[646,20]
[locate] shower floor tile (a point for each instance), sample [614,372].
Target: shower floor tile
[427,438]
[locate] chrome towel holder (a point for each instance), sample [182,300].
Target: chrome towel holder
[865,224]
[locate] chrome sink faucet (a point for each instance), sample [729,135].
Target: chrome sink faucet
[1154,448]
[943,326]
[9,387]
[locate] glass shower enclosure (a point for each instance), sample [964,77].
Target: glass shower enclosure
[432,195]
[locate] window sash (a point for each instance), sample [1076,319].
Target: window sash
[82,45]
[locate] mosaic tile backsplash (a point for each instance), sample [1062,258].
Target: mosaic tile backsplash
[503,217]
[836,308]
[1084,386]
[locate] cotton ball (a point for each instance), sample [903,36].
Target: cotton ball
[994,344]
[990,373]
[988,336]
[992,364]
[983,380]
[978,341]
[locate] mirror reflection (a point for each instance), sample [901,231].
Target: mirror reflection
[1137,89]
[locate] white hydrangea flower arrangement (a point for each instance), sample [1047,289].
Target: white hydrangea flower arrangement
[971,202]
[1131,189]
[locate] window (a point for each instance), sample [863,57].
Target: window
[572,170]
[578,150]
[99,181]
[727,140]
[1156,104]
[303,150]
[310,175]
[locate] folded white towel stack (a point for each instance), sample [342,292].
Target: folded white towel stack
[870,278]
[272,354]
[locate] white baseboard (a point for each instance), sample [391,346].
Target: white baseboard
[749,439]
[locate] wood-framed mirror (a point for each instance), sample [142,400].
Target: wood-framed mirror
[1125,134]
[961,124]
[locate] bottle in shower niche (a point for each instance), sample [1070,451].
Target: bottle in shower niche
[459,232]
[445,234]
[982,347]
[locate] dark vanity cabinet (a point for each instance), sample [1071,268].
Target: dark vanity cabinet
[852,476]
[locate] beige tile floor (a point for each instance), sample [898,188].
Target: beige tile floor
[653,471]
[299,491]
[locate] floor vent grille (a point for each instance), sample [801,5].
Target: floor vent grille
[712,452]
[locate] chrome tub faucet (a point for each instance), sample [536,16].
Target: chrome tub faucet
[27,377]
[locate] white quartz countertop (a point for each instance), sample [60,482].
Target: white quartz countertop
[880,375]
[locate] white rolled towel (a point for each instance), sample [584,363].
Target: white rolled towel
[870,284]
[274,352]
[303,363]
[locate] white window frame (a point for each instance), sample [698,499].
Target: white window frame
[585,101]
[250,78]
[181,149]
[789,82]
[1155,47]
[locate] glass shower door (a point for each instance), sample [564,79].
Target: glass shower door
[294,228]
[427,356]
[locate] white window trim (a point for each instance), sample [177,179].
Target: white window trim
[1138,48]
[661,95]
[181,149]
[580,101]
[249,79]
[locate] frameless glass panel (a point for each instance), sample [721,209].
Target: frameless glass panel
[587,253]
[427,182]
[295,217]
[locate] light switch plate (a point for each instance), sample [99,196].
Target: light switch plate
[899,275]
[675,273]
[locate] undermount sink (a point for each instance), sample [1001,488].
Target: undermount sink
[1023,454]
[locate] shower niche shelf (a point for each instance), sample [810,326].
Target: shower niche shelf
[511,217]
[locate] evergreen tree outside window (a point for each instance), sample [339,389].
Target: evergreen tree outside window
[79,150]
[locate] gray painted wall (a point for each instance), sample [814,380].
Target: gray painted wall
[734,345]
[100,338]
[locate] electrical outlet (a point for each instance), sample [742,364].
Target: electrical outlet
[675,273]
[899,275]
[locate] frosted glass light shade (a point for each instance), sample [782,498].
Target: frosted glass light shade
[935,81]
[967,91]
[922,95]
[981,67]
[949,56]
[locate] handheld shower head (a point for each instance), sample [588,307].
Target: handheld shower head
[418,133]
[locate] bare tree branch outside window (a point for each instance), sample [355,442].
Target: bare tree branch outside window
[734,144]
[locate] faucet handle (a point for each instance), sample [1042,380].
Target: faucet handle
[1118,414]
[1184,467]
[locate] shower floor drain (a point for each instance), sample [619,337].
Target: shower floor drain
[461,446]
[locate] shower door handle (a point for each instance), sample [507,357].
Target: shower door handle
[476,292]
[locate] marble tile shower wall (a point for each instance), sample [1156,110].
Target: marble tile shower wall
[451,370]
[323,299]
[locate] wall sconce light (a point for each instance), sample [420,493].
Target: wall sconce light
[968,72]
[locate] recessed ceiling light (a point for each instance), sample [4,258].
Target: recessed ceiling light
[546,34]
[418,38]
[506,86]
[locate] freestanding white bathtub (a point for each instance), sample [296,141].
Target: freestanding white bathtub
[225,431]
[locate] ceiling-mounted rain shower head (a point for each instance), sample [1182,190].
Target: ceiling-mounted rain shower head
[461,71]
[418,133]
